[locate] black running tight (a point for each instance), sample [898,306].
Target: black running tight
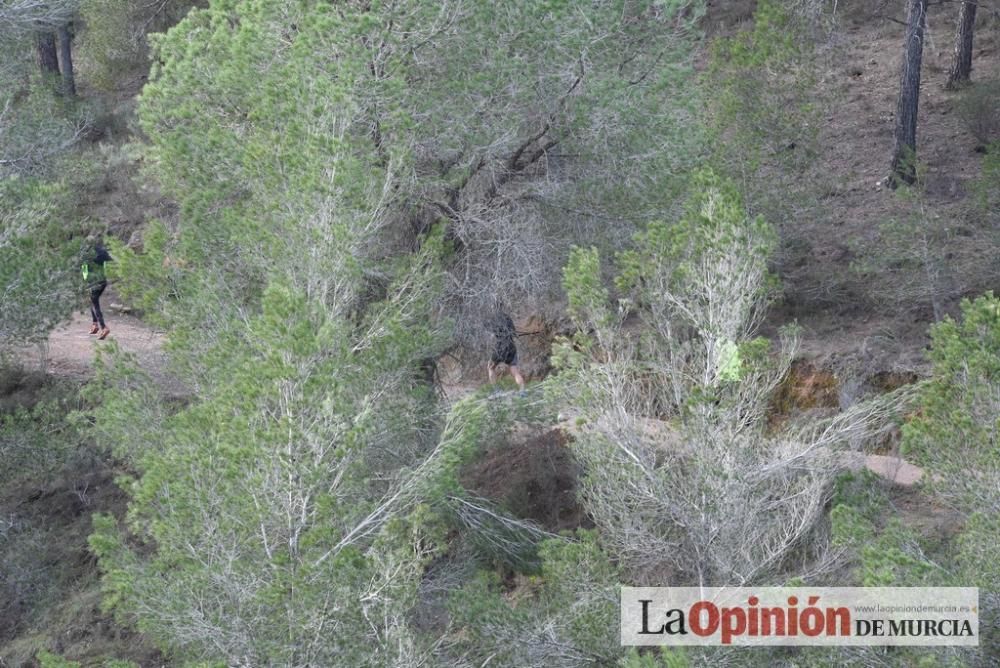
[95,302]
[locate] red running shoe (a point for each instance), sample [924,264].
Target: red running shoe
[104,334]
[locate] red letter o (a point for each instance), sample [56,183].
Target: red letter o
[694,618]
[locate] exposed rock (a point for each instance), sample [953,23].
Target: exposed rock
[893,469]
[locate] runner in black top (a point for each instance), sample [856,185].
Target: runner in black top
[96,280]
[504,348]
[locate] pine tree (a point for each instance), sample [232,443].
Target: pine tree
[903,167]
[961,67]
[286,507]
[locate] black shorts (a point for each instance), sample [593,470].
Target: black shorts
[505,354]
[97,289]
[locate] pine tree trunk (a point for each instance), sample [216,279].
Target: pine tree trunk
[66,58]
[962,67]
[48,58]
[904,152]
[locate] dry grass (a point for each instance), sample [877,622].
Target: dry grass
[880,318]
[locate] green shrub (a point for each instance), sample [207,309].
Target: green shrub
[954,434]
[149,280]
[567,616]
[35,438]
[758,118]
[664,658]
[39,259]
[979,107]
[49,660]
[987,186]
[881,552]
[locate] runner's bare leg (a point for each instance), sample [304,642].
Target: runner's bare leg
[518,378]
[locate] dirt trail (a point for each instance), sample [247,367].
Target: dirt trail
[70,352]
[70,349]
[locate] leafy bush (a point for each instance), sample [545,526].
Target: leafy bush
[36,125]
[883,553]
[300,491]
[665,658]
[50,660]
[875,548]
[979,107]
[954,436]
[36,440]
[151,280]
[39,449]
[955,433]
[39,256]
[762,123]
[987,186]
[39,260]
[566,616]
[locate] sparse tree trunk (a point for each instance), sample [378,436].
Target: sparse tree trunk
[48,58]
[66,60]
[904,153]
[962,67]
